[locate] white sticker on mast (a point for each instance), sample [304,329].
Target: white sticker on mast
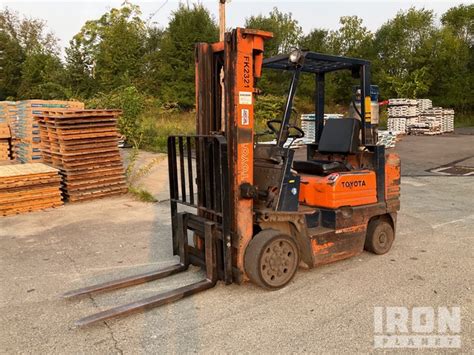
[245,98]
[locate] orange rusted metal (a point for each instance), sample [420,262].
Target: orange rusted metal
[244,57]
[320,248]
[392,177]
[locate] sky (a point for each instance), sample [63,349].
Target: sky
[66,17]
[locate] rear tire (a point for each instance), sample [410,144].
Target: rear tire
[379,238]
[271,259]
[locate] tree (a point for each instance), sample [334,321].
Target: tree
[108,50]
[187,26]
[30,33]
[11,59]
[151,61]
[287,34]
[79,70]
[460,20]
[30,62]
[404,48]
[41,77]
[351,39]
[315,41]
[286,31]
[453,59]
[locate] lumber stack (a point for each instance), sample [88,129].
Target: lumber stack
[8,113]
[5,141]
[28,187]
[83,145]
[27,131]
[8,117]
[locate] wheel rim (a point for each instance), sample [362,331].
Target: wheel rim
[382,239]
[278,262]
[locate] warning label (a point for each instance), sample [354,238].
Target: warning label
[245,117]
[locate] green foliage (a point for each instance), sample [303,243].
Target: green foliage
[187,26]
[158,125]
[11,58]
[121,61]
[464,120]
[286,35]
[135,173]
[269,107]
[30,33]
[286,31]
[352,39]
[142,194]
[404,47]
[132,103]
[41,77]
[460,20]
[150,66]
[29,60]
[315,41]
[108,50]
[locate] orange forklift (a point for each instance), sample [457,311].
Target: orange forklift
[243,210]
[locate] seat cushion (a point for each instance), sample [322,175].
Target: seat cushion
[319,167]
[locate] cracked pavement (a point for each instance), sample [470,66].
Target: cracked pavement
[45,254]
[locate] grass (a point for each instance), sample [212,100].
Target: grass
[463,120]
[141,194]
[158,126]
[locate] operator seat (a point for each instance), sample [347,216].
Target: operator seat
[339,136]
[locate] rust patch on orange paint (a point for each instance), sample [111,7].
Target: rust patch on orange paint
[352,229]
[320,248]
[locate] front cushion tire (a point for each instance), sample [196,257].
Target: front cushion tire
[271,259]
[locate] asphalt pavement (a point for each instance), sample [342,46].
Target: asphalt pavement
[327,309]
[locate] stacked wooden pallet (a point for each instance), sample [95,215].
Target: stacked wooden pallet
[28,187]
[5,142]
[27,131]
[83,145]
[8,113]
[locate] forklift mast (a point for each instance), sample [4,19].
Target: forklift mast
[227,108]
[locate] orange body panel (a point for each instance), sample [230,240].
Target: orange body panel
[352,188]
[392,176]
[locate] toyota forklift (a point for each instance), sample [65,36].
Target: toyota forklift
[248,211]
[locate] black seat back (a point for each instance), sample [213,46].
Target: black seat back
[340,136]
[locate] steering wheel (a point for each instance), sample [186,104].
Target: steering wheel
[300,132]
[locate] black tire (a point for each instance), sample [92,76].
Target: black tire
[379,238]
[271,259]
